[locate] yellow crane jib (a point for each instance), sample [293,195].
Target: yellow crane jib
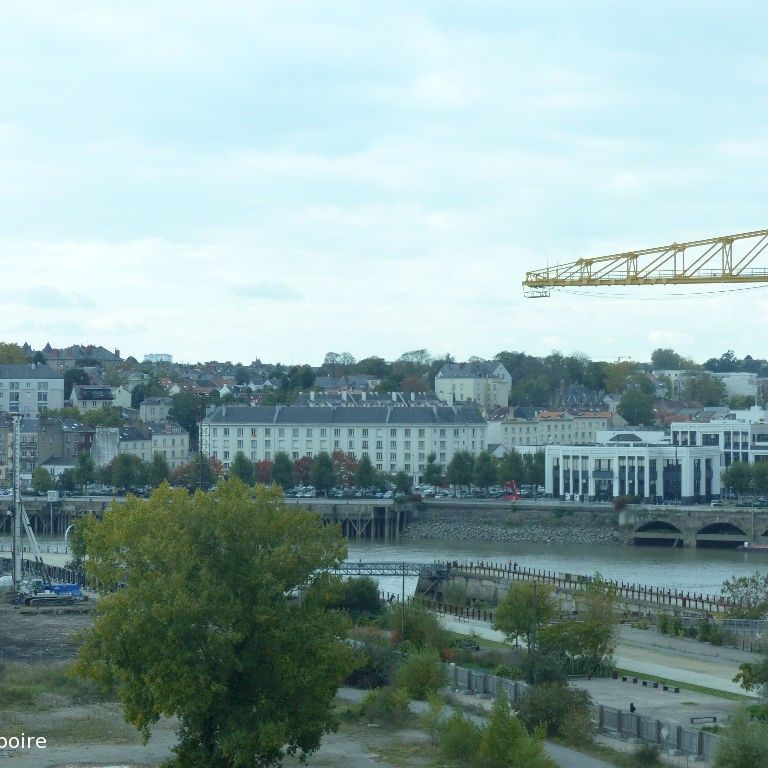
[726,259]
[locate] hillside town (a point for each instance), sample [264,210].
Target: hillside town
[667,431]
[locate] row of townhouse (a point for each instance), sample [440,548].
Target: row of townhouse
[394,439]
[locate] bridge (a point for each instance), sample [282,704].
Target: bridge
[359,568]
[722,527]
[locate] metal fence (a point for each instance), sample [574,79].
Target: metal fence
[688,741]
[50,549]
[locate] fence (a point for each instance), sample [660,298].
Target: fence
[50,549]
[627,591]
[57,573]
[688,741]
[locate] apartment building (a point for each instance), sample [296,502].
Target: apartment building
[394,439]
[30,389]
[487,384]
[155,409]
[143,441]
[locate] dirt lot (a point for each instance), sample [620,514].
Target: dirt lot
[41,634]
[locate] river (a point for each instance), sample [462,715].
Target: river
[687,569]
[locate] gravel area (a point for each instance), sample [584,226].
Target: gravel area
[539,526]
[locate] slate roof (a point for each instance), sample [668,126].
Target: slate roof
[476,370]
[301,415]
[132,433]
[94,392]
[28,371]
[157,401]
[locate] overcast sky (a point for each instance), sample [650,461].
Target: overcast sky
[235,180]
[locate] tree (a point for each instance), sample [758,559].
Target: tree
[534,467]
[748,595]
[205,629]
[666,359]
[158,472]
[705,389]
[460,467]
[86,469]
[128,471]
[403,482]
[42,480]
[511,467]
[738,477]
[344,467]
[636,407]
[302,469]
[484,471]
[525,607]
[322,476]
[243,468]
[67,481]
[759,471]
[282,470]
[183,411]
[71,377]
[364,475]
[263,471]
[433,472]
[11,354]
[743,743]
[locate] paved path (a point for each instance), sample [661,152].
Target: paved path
[649,653]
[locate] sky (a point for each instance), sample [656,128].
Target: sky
[276,180]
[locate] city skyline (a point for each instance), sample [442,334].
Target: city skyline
[278,181]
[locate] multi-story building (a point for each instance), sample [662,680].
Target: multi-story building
[155,409]
[550,428]
[158,358]
[30,389]
[487,384]
[628,466]
[738,383]
[367,399]
[394,439]
[89,397]
[62,438]
[144,441]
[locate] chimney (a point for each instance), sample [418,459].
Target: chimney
[394,397]
[117,353]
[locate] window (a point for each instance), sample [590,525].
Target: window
[226,455]
[393,457]
[240,445]
[350,444]
[268,431]
[42,386]
[267,443]
[407,444]
[253,455]
[379,456]
[295,455]
[281,432]
[337,433]
[393,433]
[421,433]
[455,432]
[365,433]
[239,431]
[337,443]
[365,445]
[393,444]
[295,432]
[309,433]
[253,444]
[350,432]
[323,431]
[442,433]
[309,454]
[253,433]
[407,432]
[226,431]
[407,456]
[267,455]
[379,444]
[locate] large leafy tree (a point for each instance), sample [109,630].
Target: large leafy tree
[12,353]
[205,629]
[322,475]
[365,474]
[42,480]
[636,407]
[282,470]
[511,467]
[184,411]
[158,471]
[484,471]
[433,472]
[525,608]
[460,468]
[738,477]
[243,468]
[748,596]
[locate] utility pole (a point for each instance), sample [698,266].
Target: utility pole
[17,553]
[532,644]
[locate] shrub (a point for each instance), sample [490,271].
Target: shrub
[460,739]
[421,673]
[432,720]
[662,623]
[422,627]
[542,668]
[743,743]
[647,756]
[553,707]
[360,598]
[388,705]
[374,661]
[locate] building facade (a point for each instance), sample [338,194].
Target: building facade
[30,389]
[741,438]
[551,428]
[155,409]
[487,384]
[394,439]
[627,466]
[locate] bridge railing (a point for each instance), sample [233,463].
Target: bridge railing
[669,598]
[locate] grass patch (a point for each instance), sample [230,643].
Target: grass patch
[603,752]
[407,754]
[687,686]
[102,727]
[43,686]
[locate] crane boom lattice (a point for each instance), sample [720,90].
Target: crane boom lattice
[725,259]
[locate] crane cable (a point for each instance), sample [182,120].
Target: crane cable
[695,295]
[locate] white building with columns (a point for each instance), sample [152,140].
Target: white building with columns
[625,465]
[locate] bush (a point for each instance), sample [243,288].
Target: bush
[422,628]
[557,709]
[432,720]
[388,705]
[374,661]
[542,668]
[662,623]
[421,673]
[460,739]
[360,598]
[647,756]
[743,743]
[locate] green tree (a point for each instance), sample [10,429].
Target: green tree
[365,474]
[636,407]
[243,468]
[524,609]
[184,411]
[534,467]
[759,472]
[460,468]
[128,471]
[359,597]
[705,389]
[322,475]
[11,354]
[403,482]
[511,467]
[553,707]
[86,469]
[282,470]
[484,471]
[433,472]
[159,472]
[206,631]
[738,477]
[748,595]
[71,377]
[743,743]
[42,480]
[67,481]
[506,744]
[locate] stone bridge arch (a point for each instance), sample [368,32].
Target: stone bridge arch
[659,533]
[723,534]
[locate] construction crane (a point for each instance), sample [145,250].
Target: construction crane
[725,259]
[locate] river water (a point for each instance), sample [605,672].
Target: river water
[686,569]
